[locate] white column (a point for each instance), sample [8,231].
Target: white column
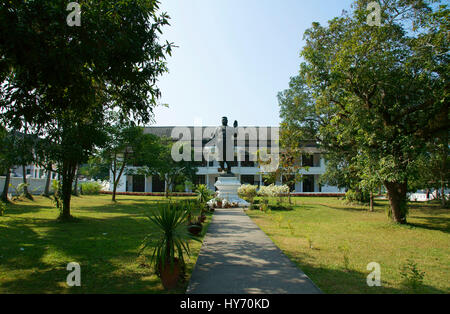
[145,183]
[260,180]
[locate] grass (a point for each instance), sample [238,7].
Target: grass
[105,239]
[332,242]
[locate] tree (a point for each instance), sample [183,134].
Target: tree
[65,80]
[375,93]
[26,155]
[44,157]
[119,151]
[8,158]
[155,157]
[96,168]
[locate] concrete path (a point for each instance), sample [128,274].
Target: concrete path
[239,258]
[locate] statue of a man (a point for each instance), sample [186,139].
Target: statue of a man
[224,137]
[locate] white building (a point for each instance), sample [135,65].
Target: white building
[247,171]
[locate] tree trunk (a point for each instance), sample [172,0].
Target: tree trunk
[371,202]
[4,196]
[444,156]
[75,188]
[117,180]
[47,183]
[68,173]
[166,189]
[25,187]
[397,199]
[114,191]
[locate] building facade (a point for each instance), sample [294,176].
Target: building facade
[247,171]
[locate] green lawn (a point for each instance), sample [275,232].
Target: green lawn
[338,231]
[35,248]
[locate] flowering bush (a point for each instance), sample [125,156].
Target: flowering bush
[148,193]
[228,204]
[248,192]
[273,190]
[266,191]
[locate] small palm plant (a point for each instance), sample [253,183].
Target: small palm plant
[172,241]
[203,193]
[2,208]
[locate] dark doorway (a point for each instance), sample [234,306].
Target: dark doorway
[158,185]
[307,160]
[138,183]
[200,179]
[289,180]
[248,179]
[308,184]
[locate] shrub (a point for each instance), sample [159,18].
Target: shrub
[411,275]
[57,201]
[91,188]
[357,196]
[169,237]
[2,208]
[266,191]
[273,190]
[248,192]
[20,190]
[203,193]
[179,188]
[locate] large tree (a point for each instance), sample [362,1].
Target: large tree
[9,157]
[377,92]
[155,158]
[64,80]
[121,149]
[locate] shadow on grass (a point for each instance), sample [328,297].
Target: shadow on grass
[101,246]
[432,223]
[105,247]
[351,281]
[19,208]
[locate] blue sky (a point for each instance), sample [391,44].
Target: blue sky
[234,56]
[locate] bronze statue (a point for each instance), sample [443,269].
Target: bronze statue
[221,137]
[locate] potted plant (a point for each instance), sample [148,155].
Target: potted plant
[203,193]
[195,226]
[172,241]
[219,202]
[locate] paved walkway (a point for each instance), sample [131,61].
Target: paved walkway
[239,258]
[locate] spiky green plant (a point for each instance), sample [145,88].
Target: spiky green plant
[203,193]
[171,234]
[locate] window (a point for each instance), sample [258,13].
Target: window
[308,184]
[307,160]
[248,179]
[316,160]
[200,179]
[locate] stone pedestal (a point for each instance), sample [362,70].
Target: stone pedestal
[227,187]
